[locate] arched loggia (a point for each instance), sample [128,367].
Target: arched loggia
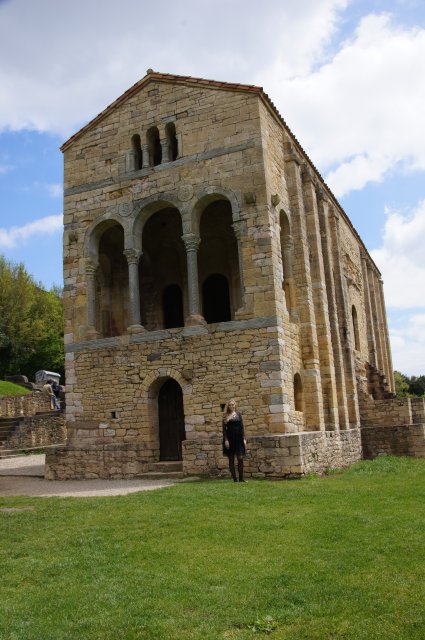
[218,262]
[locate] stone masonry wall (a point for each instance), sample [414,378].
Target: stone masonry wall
[37,431]
[277,456]
[27,405]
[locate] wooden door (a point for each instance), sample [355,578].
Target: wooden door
[171,421]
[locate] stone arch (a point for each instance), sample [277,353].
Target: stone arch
[219,252]
[162,265]
[150,389]
[209,195]
[147,208]
[95,232]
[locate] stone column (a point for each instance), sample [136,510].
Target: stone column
[370,331]
[344,422]
[133,289]
[145,156]
[344,319]
[90,271]
[313,398]
[375,319]
[165,146]
[130,161]
[326,360]
[238,231]
[191,243]
[389,373]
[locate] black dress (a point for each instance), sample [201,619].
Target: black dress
[233,431]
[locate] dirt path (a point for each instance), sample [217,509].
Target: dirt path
[24,476]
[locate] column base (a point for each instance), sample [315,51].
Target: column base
[136,328]
[195,320]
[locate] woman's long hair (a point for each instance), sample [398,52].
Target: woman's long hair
[226,409]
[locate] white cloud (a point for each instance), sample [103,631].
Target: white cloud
[10,238]
[360,114]
[408,346]
[81,58]
[401,259]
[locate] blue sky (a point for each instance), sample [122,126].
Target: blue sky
[347,76]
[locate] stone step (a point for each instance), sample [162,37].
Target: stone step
[166,466]
[158,475]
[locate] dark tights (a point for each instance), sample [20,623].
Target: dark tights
[232,468]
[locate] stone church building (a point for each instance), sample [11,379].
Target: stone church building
[205,258]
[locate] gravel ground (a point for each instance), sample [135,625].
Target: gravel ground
[24,476]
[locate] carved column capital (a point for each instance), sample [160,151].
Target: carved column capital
[307,175]
[238,229]
[132,256]
[90,266]
[191,241]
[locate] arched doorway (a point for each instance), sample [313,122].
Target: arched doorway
[171,421]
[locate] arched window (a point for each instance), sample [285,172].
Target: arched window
[298,393]
[355,328]
[216,299]
[172,306]
[137,151]
[154,145]
[173,149]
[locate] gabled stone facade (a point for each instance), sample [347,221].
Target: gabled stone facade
[204,258]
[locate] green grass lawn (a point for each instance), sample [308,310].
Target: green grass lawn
[340,557]
[10,389]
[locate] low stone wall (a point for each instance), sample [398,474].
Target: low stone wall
[401,440]
[108,461]
[37,431]
[273,456]
[392,412]
[277,456]
[28,405]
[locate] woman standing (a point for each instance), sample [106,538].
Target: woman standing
[234,443]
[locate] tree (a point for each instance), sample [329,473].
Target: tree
[401,384]
[31,324]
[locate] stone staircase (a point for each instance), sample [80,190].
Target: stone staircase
[377,384]
[7,427]
[159,470]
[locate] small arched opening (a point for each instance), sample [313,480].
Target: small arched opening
[172,306]
[216,299]
[136,147]
[171,421]
[154,146]
[173,148]
[355,328]
[298,393]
